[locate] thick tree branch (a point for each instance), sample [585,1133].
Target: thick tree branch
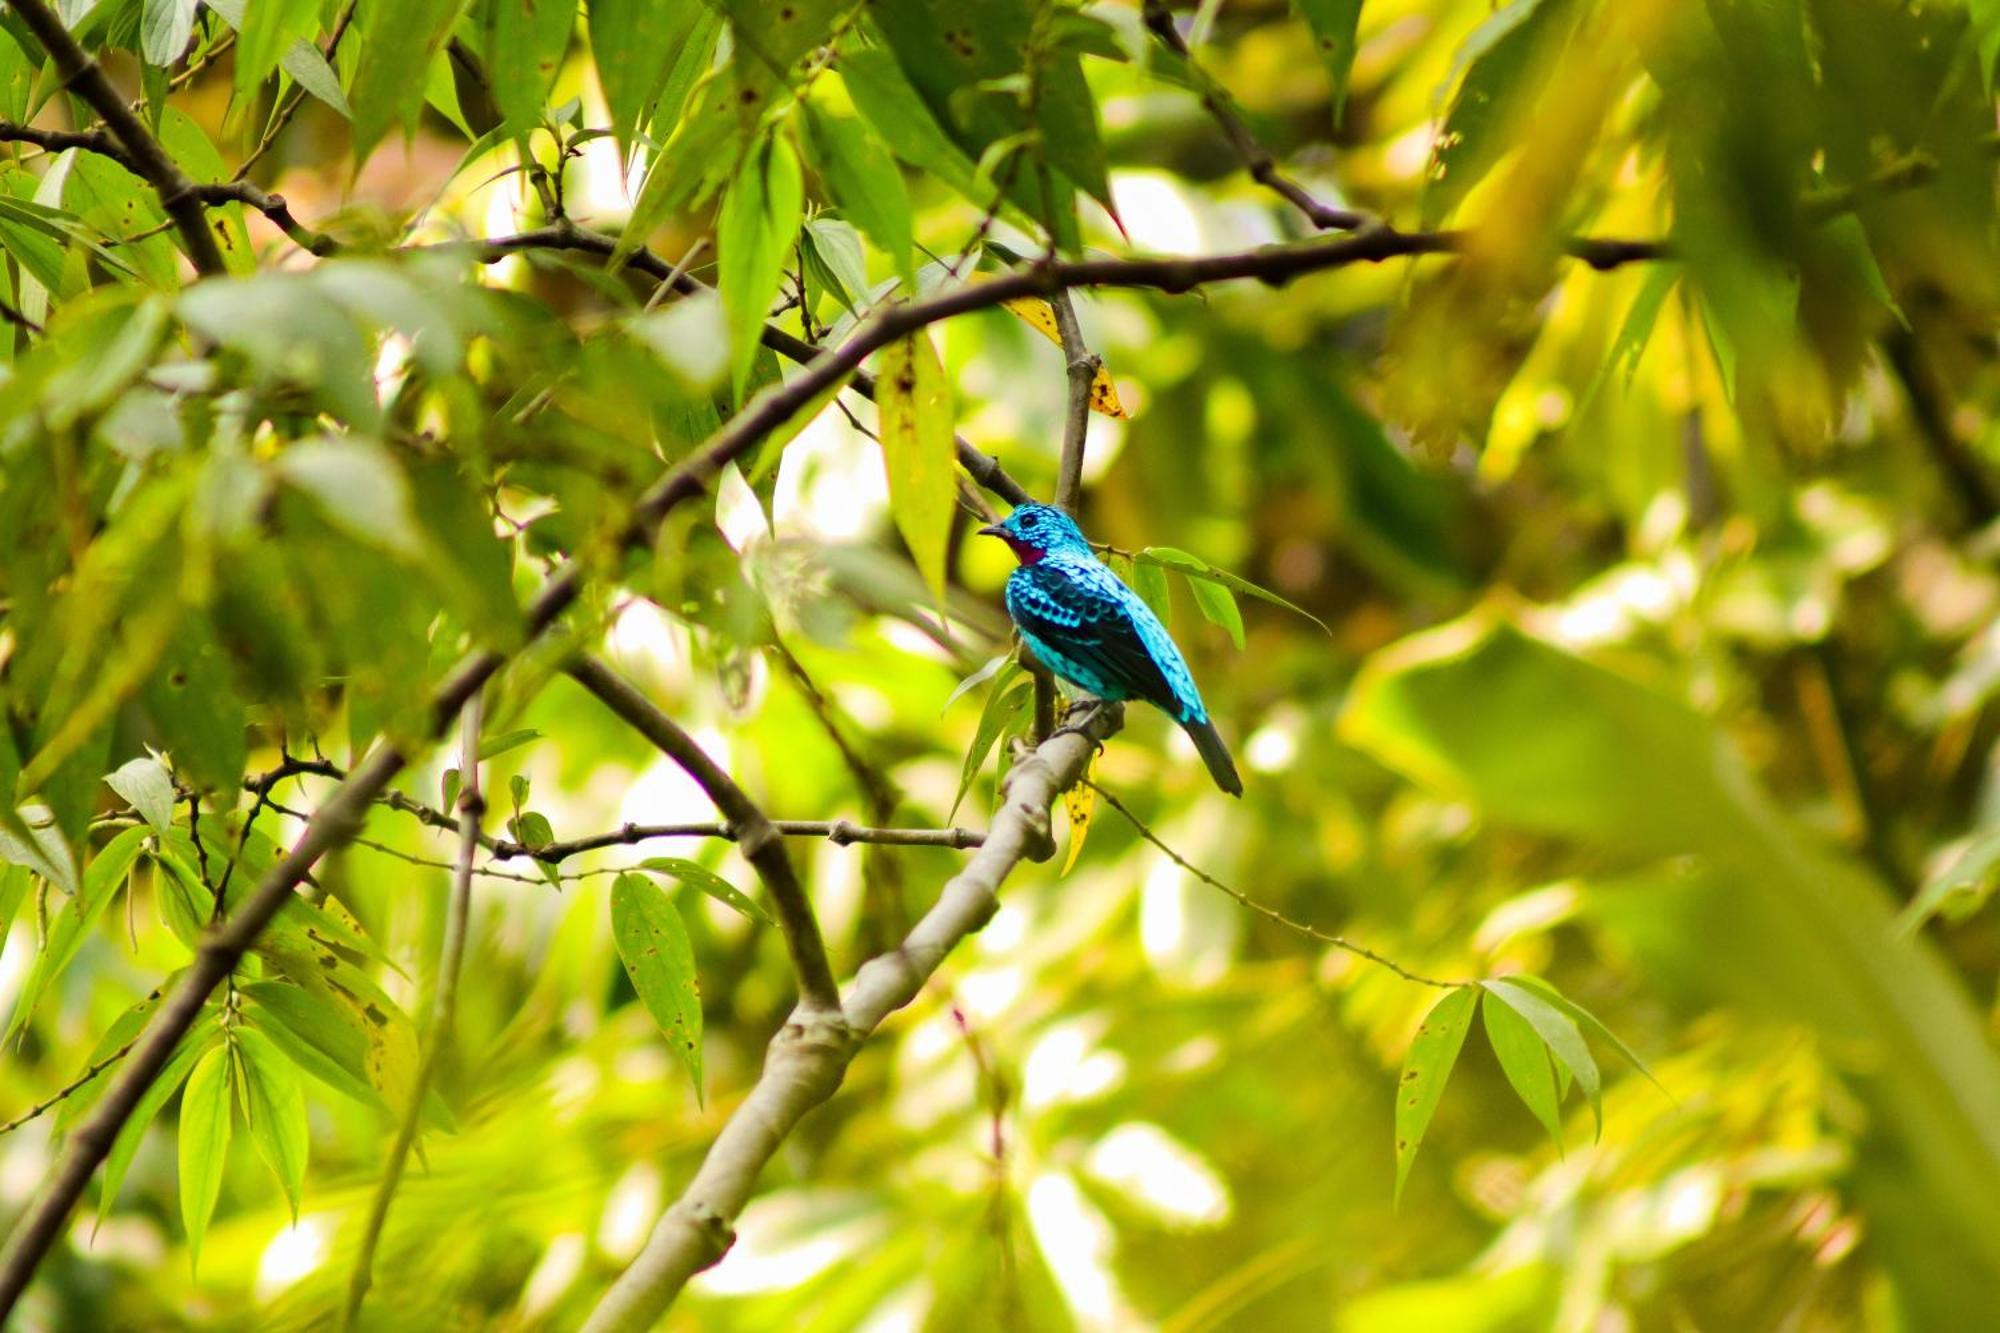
[761,844]
[143,152]
[443,1015]
[809,1056]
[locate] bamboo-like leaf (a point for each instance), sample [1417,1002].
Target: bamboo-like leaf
[1583,1018]
[1560,1033]
[1525,1060]
[1333,24]
[654,947]
[1218,604]
[753,237]
[914,402]
[707,881]
[204,1145]
[1426,1069]
[1003,704]
[1185,562]
[199,1040]
[525,42]
[274,1107]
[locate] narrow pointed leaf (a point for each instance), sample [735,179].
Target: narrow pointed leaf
[918,451]
[204,1145]
[1525,1061]
[707,881]
[1002,705]
[1560,1033]
[275,1109]
[1583,1018]
[753,238]
[1426,1069]
[1218,604]
[654,947]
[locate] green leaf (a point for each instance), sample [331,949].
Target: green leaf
[525,42]
[164,29]
[267,31]
[1149,580]
[1499,62]
[1637,330]
[1426,1069]
[1184,562]
[303,61]
[635,44]
[913,400]
[359,487]
[1559,1032]
[1218,605]
[860,173]
[885,98]
[1003,706]
[994,665]
[753,237]
[40,847]
[204,1145]
[126,1146]
[398,39]
[710,883]
[69,927]
[691,339]
[274,1107]
[1333,24]
[489,746]
[531,829]
[317,1035]
[654,947]
[1583,1018]
[832,249]
[1525,1061]
[147,787]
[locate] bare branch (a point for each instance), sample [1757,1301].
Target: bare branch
[1083,365]
[444,1009]
[762,847]
[144,155]
[809,1056]
[68,1090]
[1263,168]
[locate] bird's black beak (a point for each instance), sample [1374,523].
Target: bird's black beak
[993,530]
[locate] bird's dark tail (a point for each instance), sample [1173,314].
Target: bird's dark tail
[1208,741]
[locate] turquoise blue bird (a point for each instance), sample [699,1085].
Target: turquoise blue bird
[1090,629]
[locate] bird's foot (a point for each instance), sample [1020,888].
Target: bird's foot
[1078,718]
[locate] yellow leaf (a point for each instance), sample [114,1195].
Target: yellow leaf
[913,400]
[1081,802]
[1040,316]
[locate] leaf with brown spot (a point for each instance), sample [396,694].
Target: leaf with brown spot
[1425,1071]
[653,945]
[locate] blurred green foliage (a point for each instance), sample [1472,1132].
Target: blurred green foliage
[1625,621]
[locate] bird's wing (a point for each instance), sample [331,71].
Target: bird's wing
[1093,619]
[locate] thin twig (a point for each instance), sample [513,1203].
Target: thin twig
[284,114]
[69,1089]
[1263,168]
[819,994]
[444,1009]
[1340,942]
